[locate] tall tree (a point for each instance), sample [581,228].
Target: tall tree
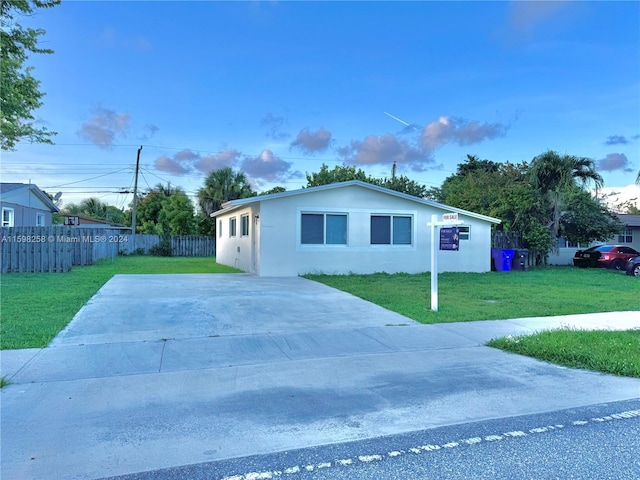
[177,215]
[166,210]
[220,186]
[556,176]
[340,173]
[345,173]
[21,94]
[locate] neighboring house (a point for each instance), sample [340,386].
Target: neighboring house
[25,205]
[342,228]
[630,236]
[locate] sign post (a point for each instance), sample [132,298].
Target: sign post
[448,241]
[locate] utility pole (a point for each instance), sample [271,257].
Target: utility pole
[393,171]
[135,202]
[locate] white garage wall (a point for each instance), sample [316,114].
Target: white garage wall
[235,251]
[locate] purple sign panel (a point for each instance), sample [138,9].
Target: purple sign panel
[449,239]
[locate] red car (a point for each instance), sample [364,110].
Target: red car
[607,256]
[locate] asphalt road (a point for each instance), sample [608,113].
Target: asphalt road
[596,442]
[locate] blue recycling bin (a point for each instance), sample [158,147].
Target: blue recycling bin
[502,259]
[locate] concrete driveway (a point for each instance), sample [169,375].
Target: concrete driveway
[159,371]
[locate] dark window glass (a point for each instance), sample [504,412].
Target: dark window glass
[380,230]
[312,229]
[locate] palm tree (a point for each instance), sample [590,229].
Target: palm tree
[555,175]
[94,208]
[220,186]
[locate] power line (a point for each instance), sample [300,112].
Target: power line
[86,180]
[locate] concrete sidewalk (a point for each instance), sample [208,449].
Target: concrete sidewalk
[166,370]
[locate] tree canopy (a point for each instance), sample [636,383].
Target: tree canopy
[345,173]
[21,94]
[166,210]
[96,209]
[542,200]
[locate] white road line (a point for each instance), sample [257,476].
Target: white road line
[346,462]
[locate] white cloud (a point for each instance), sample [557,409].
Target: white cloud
[105,126]
[274,124]
[614,161]
[384,150]
[310,142]
[458,130]
[267,167]
[186,161]
[225,158]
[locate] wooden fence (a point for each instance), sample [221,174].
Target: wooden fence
[58,248]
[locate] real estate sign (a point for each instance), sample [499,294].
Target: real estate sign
[449,238]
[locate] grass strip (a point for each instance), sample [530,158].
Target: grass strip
[464,297]
[614,352]
[37,306]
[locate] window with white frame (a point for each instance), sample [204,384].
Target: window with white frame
[219,228]
[244,225]
[39,219]
[391,229]
[232,227]
[323,229]
[626,236]
[464,232]
[7,217]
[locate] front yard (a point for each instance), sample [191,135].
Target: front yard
[36,307]
[502,295]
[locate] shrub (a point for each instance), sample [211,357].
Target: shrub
[162,249]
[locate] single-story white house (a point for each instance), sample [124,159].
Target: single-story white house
[341,228]
[25,205]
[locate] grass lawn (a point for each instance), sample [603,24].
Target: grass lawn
[37,306]
[539,292]
[464,297]
[615,352]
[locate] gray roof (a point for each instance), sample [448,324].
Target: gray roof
[629,220]
[8,188]
[236,204]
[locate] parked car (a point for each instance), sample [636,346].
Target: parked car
[633,267]
[607,256]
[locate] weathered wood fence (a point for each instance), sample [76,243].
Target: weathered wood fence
[58,248]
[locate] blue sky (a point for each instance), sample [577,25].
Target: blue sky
[275,89]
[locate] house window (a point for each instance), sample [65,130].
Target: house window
[626,236]
[464,233]
[244,225]
[232,227]
[323,229]
[7,217]
[39,219]
[219,228]
[391,230]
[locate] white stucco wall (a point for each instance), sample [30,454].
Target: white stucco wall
[282,254]
[236,251]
